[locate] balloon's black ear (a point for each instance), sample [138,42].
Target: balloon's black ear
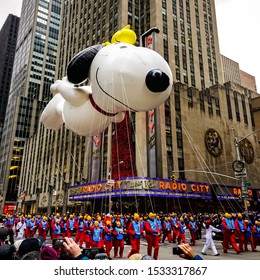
[78,68]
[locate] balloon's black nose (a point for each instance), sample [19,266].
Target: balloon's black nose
[157,81]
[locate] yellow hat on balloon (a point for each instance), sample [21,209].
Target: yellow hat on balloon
[239,215]
[181,219]
[125,35]
[227,215]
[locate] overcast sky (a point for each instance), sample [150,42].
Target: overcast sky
[238,29]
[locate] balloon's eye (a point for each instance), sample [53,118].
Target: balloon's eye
[157,81]
[122,47]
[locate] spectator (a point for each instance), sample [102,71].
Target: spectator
[188,253]
[73,250]
[28,245]
[7,252]
[48,253]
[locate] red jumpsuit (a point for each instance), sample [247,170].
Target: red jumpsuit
[80,235]
[119,242]
[181,232]
[250,230]
[240,232]
[175,231]
[43,229]
[192,226]
[97,241]
[229,235]
[70,227]
[167,231]
[88,227]
[152,237]
[135,231]
[108,239]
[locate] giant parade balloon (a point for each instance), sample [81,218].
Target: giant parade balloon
[119,76]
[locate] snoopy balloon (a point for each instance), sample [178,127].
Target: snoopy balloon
[120,77]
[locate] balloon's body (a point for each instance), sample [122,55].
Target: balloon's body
[121,77]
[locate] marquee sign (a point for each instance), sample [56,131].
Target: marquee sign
[141,186]
[231,192]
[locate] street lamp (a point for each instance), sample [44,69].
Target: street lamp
[240,170]
[111,182]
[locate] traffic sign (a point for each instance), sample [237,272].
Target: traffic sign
[241,174]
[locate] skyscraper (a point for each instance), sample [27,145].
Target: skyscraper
[33,73]
[8,37]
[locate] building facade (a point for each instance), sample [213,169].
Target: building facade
[33,73]
[192,134]
[8,37]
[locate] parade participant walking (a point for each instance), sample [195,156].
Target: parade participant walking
[96,236]
[135,231]
[9,224]
[79,226]
[256,237]
[32,227]
[240,231]
[250,230]
[108,238]
[70,226]
[56,229]
[167,229]
[64,226]
[118,240]
[175,230]
[228,226]
[152,235]
[192,226]
[43,227]
[181,231]
[20,229]
[210,231]
[87,231]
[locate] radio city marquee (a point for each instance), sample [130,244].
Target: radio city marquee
[141,186]
[232,192]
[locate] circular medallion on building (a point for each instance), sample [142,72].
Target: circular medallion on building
[213,142]
[238,165]
[247,151]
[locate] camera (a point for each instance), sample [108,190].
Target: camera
[176,251]
[101,256]
[57,243]
[91,253]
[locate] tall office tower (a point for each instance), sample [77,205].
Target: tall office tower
[231,70]
[178,136]
[33,73]
[8,37]
[248,81]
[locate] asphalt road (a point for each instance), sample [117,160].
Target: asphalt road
[165,251]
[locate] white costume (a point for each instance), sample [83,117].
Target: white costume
[209,240]
[21,227]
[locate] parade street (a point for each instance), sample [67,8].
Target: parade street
[165,251]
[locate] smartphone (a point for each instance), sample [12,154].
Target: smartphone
[57,243]
[176,251]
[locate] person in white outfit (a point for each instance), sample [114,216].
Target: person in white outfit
[20,228]
[210,231]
